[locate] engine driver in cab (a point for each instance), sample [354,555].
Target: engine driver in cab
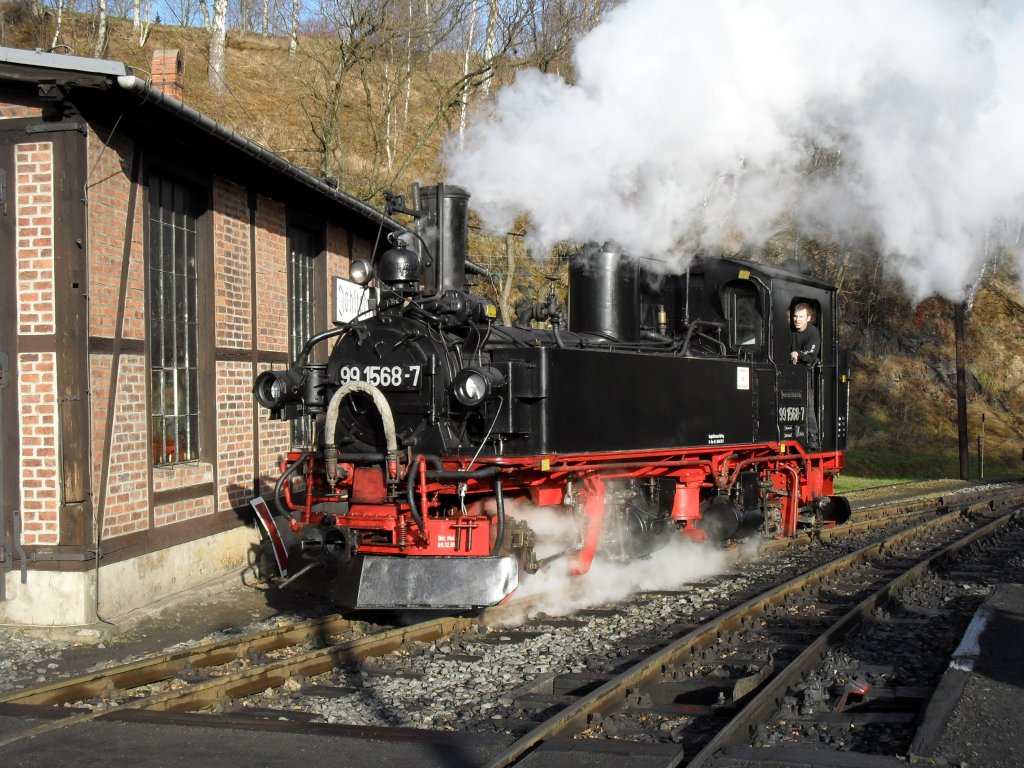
[805,347]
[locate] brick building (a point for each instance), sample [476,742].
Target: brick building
[152,263]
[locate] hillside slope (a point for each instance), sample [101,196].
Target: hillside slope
[902,413]
[903,420]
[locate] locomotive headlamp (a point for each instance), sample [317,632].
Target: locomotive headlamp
[471,386]
[276,388]
[360,271]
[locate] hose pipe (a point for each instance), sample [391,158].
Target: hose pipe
[282,509]
[386,417]
[414,510]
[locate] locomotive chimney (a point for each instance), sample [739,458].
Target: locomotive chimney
[444,227]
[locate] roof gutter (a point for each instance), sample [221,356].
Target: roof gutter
[151,94]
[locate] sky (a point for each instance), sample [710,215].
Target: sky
[692,123]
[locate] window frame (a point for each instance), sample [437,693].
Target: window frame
[301,233]
[743,289]
[195,209]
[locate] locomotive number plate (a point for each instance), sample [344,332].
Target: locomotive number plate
[393,377]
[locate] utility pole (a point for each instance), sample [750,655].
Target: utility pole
[959,322]
[981,450]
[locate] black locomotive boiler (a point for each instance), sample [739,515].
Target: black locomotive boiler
[655,405]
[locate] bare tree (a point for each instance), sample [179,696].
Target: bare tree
[184,13]
[217,72]
[344,38]
[464,95]
[293,46]
[555,25]
[489,35]
[405,71]
[142,19]
[58,23]
[120,8]
[101,29]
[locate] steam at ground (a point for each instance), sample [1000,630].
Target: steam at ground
[679,562]
[703,124]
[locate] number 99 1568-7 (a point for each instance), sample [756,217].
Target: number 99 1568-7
[382,376]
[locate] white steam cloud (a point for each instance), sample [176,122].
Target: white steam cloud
[691,123]
[556,592]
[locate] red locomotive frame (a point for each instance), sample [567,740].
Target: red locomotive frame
[388,526]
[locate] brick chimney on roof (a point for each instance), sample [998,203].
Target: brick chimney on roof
[168,70]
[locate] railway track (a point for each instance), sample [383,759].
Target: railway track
[625,697]
[748,657]
[227,668]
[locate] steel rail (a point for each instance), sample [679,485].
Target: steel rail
[163,666]
[244,682]
[608,696]
[254,679]
[904,511]
[197,696]
[769,699]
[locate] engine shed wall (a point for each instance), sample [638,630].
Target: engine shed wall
[93,523]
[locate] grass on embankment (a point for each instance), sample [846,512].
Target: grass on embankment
[871,468]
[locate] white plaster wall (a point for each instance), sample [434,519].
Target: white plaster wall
[47,598]
[64,599]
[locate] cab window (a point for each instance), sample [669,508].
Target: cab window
[743,316]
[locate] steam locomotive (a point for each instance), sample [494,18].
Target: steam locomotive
[455,454]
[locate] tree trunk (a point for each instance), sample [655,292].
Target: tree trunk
[58,24]
[293,46]
[217,73]
[101,30]
[408,72]
[427,26]
[492,29]
[386,99]
[145,24]
[205,11]
[464,98]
